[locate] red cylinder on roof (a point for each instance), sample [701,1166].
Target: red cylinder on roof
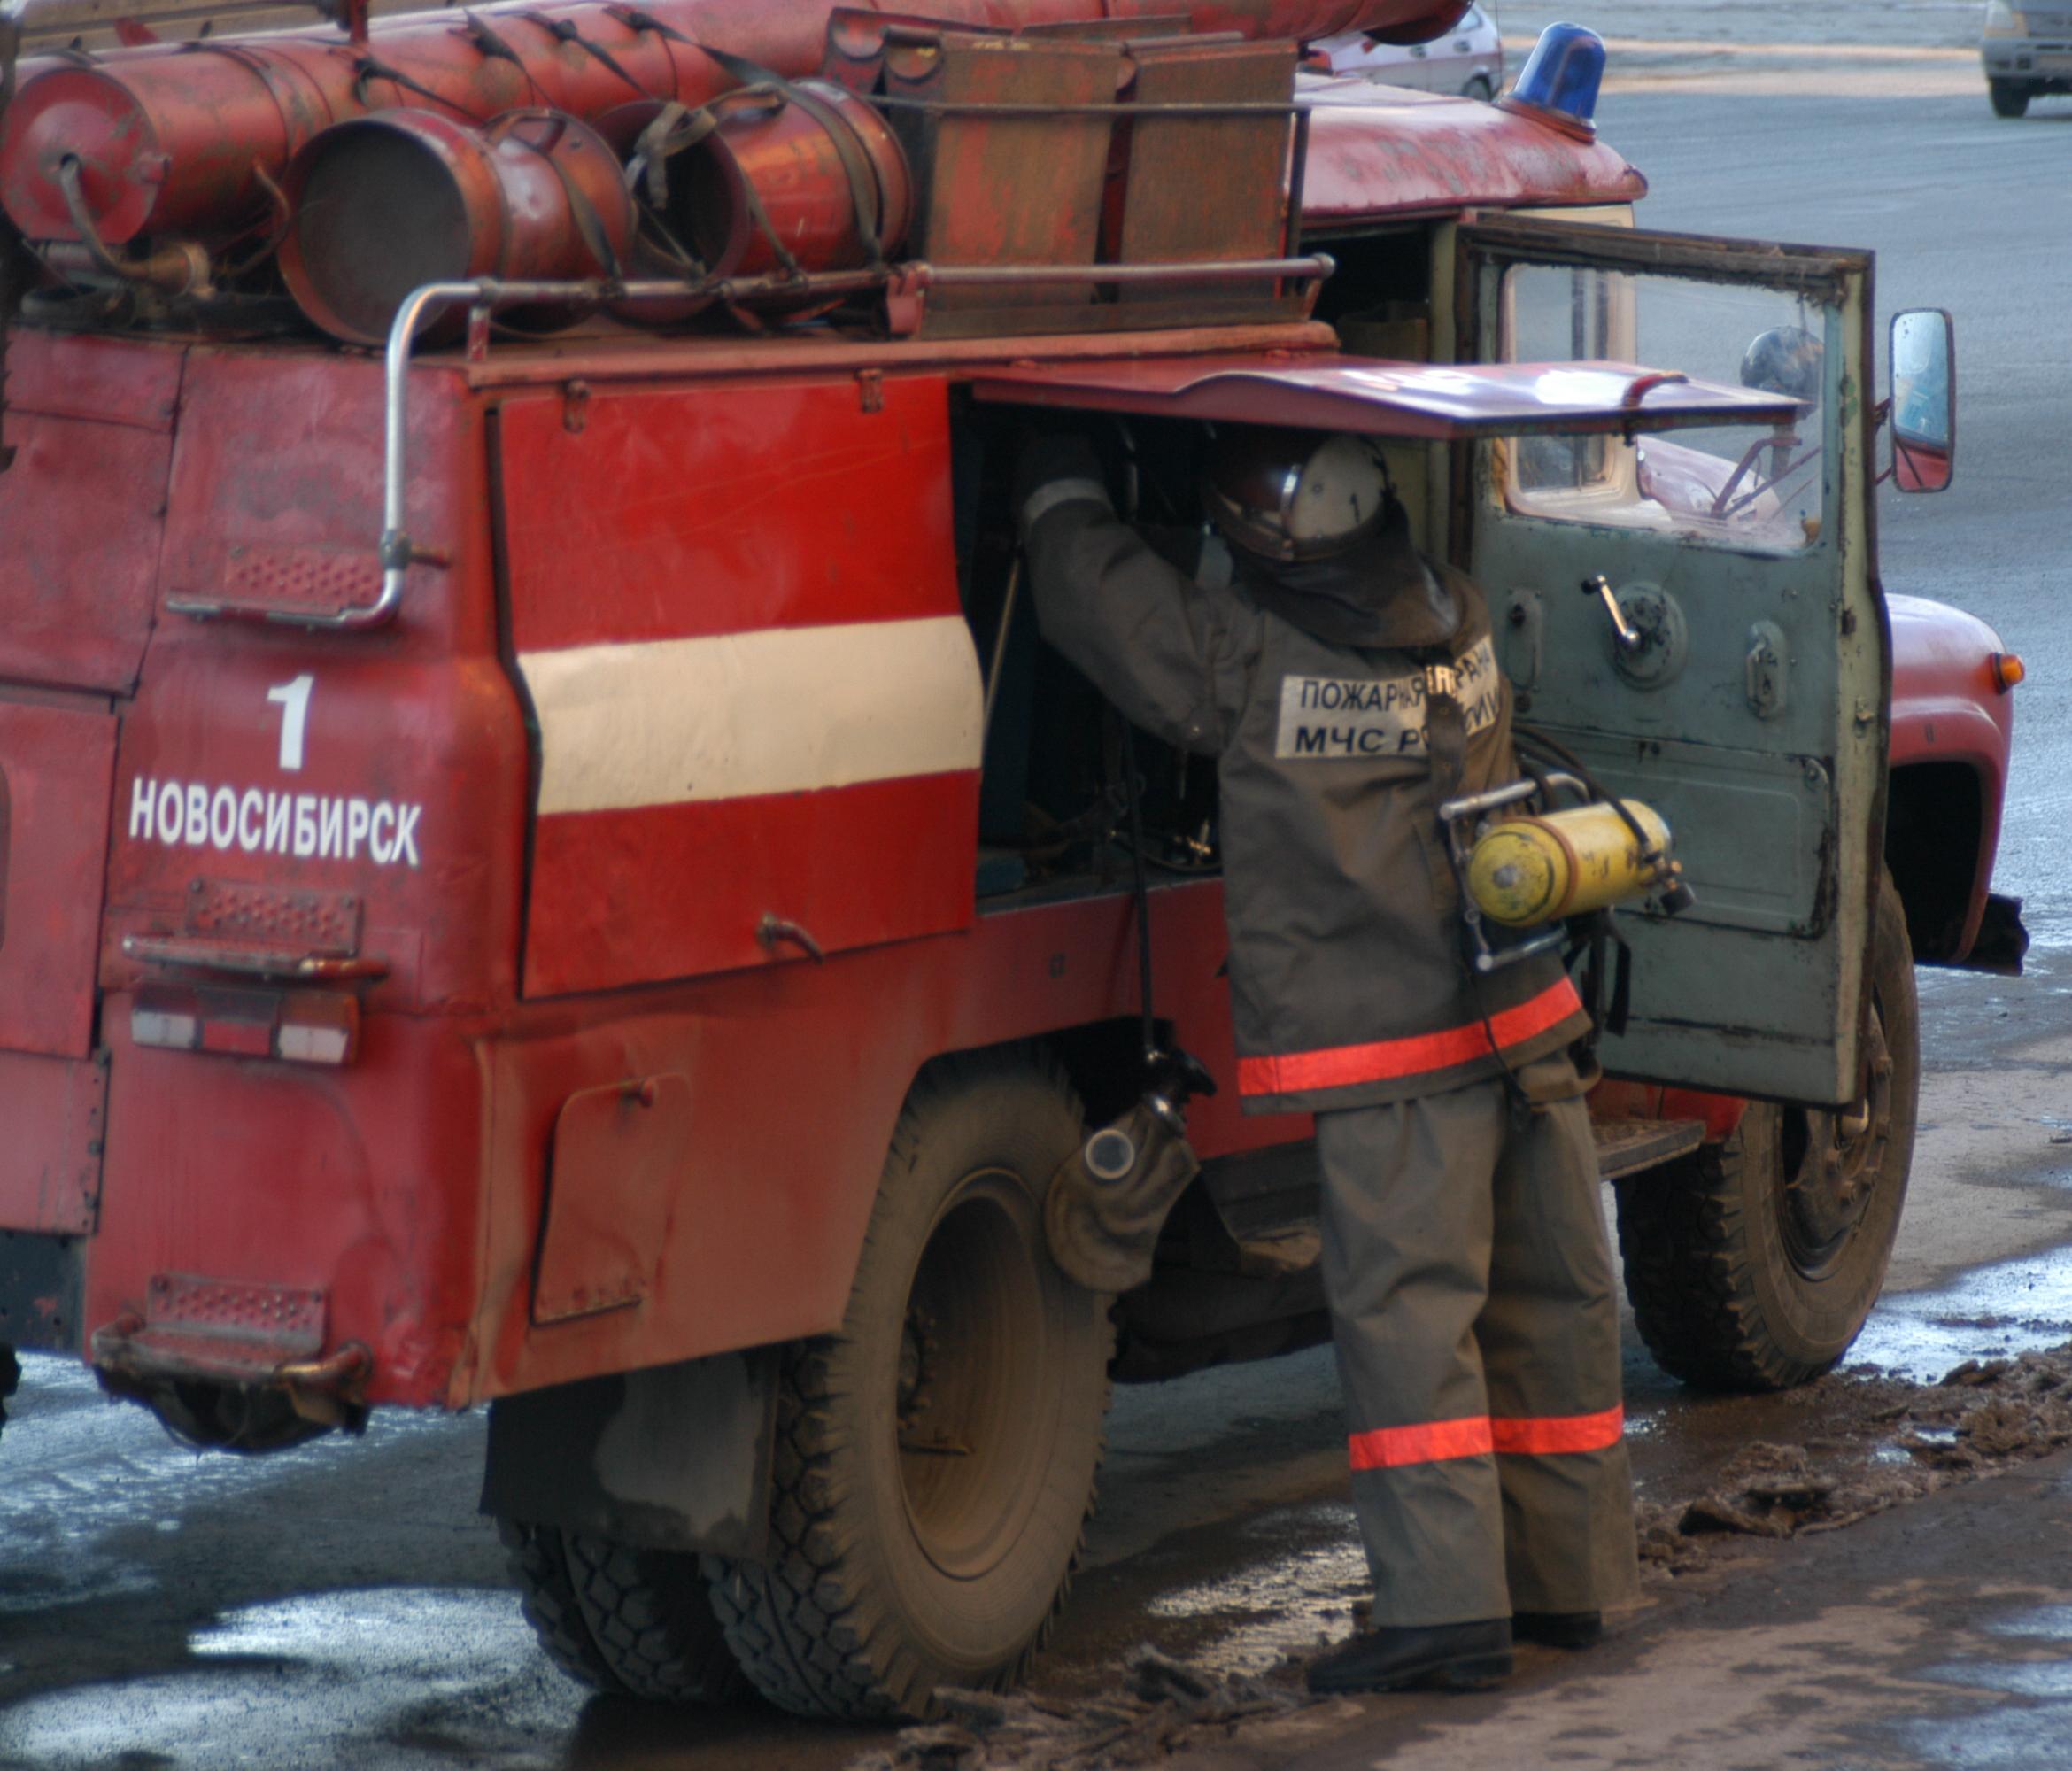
[384,204]
[191,142]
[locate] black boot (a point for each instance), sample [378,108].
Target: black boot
[1559,1629]
[1445,1657]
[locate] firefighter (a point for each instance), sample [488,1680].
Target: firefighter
[1346,687]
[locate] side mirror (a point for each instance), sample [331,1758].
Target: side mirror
[1924,400]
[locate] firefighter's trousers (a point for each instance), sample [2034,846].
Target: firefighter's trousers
[1470,1294]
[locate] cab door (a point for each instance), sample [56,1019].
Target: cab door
[1748,699]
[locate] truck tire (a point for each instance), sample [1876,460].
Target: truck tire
[1752,1263]
[633,1622]
[935,1459]
[2010,97]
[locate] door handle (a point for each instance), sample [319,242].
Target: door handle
[1628,636]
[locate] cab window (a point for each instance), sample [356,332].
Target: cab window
[1734,486]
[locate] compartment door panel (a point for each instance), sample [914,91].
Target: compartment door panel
[734,616]
[1755,720]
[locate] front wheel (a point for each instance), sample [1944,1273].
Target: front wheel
[2010,97]
[1479,87]
[935,1459]
[1753,1265]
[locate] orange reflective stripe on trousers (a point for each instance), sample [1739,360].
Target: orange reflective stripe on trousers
[1389,1448]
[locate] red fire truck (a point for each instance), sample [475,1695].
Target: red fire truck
[545,861]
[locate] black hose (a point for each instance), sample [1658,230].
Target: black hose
[1140,886]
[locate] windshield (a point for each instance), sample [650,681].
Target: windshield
[1732,485]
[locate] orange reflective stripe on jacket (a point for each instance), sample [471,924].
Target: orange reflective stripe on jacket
[1389,1448]
[1388,1060]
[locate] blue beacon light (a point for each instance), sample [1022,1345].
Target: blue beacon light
[1559,81]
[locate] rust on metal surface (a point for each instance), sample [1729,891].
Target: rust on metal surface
[384,204]
[996,190]
[183,142]
[1378,152]
[231,1331]
[1167,215]
[599,358]
[318,922]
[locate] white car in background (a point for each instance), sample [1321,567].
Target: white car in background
[2027,50]
[1468,60]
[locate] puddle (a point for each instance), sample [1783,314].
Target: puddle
[354,1670]
[2016,1678]
[2016,1307]
[2003,1739]
[1285,1604]
[2007,1737]
[2054,1623]
[81,1469]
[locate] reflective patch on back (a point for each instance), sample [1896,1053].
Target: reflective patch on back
[1337,718]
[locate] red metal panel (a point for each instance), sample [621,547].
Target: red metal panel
[624,897]
[276,497]
[410,1187]
[54,1110]
[363,1183]
[1377,152]
[279,455]
[206,809]
[1946,708]
[84,506]
[619,1159]
[680,513]
[799,1071]
[56,765]
[1436,402]
[659,519]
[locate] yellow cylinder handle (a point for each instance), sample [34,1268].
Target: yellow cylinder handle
[1538,869]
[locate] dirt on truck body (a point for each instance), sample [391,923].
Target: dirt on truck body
[602,904]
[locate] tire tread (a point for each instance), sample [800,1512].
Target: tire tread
[810,1636]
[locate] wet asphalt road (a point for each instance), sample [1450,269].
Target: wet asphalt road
[343,1605]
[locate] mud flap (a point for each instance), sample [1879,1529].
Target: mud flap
[672,1457]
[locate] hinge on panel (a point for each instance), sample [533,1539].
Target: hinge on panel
[92,1098]
[871,390]
[574,407]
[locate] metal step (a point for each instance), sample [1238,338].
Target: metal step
[1628,1146]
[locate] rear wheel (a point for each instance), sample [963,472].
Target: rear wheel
[935,1459]
[1753,1265]
[1479,87]
[634,1622]
[2010,97]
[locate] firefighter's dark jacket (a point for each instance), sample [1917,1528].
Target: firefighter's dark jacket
[1348,982]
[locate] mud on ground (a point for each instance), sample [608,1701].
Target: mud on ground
[1884,1441]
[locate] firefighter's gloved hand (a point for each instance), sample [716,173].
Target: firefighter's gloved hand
[1056,468]
[1110,1198]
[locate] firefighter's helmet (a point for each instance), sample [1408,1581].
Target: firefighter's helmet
[1785,359]
[1293,494]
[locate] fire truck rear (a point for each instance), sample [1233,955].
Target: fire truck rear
[545,861]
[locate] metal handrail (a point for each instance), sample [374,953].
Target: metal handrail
[397,552]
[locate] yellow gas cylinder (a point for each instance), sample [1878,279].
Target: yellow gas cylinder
[1566,863]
